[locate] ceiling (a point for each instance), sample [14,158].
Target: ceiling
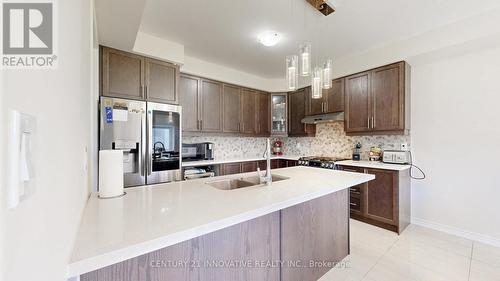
[225,31]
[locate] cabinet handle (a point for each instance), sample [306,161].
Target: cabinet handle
[201,125]
[353,204]
[146,91]
[355,192]
[369,123]
[373,122]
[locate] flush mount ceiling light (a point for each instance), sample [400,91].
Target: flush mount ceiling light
[269,38]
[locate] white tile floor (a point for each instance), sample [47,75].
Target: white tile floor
[418,254]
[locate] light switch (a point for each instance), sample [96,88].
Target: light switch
[21,182]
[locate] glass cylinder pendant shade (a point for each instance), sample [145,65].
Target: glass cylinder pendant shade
[292,71]
[317,83]
[305,59]
[327,74]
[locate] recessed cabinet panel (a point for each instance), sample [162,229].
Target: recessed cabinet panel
[248,111]
[264,123]
[317,106]
[335,97]
[211,106]
[232,113]
[189,91]
[161,80]
[388,98]
[358,103]
[381,196]
[297,102]
[121,74]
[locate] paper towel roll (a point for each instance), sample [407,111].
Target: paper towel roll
[110,173]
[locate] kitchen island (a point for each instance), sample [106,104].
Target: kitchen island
[192,231]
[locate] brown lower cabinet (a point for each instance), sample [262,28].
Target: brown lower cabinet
[251,166]
[384,201]
[316,230]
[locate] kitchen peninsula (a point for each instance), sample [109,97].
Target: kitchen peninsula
[299,220]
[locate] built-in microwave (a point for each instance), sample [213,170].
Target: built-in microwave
[197,151]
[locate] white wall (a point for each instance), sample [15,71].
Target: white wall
[40,232]
[455,138]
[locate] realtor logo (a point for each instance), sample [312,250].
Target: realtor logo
[28,35]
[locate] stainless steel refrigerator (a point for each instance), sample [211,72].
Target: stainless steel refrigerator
[149,134]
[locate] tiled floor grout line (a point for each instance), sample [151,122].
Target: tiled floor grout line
[379,259]
[470,264]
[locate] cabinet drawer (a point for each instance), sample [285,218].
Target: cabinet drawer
[355,204]
[356,191]
[352,169]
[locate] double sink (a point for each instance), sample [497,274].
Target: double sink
[230,184]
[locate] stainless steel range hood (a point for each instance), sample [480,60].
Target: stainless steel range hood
[324,118]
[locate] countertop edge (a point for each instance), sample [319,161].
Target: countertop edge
[234,160]
[90,264]
[376,165]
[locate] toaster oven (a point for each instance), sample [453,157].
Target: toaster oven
[396,157]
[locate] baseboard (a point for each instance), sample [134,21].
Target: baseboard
[457,232]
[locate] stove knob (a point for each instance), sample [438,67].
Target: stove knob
[323,165]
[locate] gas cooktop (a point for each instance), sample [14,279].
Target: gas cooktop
[320,161]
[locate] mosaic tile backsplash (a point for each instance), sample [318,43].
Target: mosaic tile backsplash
[330,140]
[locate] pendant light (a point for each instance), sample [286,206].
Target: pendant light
[292,71]
[305,59]
[317,83]
[327,74]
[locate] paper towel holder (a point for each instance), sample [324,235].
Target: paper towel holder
[22,141]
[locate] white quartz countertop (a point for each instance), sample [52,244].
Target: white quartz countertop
[234,160]
[374,165]
[153,217]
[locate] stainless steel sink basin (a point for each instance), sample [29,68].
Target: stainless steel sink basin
[229,184]
[256,180]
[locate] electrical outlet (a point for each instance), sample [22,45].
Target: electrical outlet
[404,146]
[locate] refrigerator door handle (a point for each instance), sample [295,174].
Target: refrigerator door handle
[150,142]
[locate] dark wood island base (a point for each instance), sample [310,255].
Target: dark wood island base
[299,243]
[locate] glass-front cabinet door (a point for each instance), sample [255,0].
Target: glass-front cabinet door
[279,114]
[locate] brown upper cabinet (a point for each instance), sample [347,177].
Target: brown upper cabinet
[215,107]
[332,100]
[189,99]
[297,110]
[121,74]
[211,106]
[231,105]
[248,111]
[126,75]
[377,101]
[264,114]
[201,102]
[161,81]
